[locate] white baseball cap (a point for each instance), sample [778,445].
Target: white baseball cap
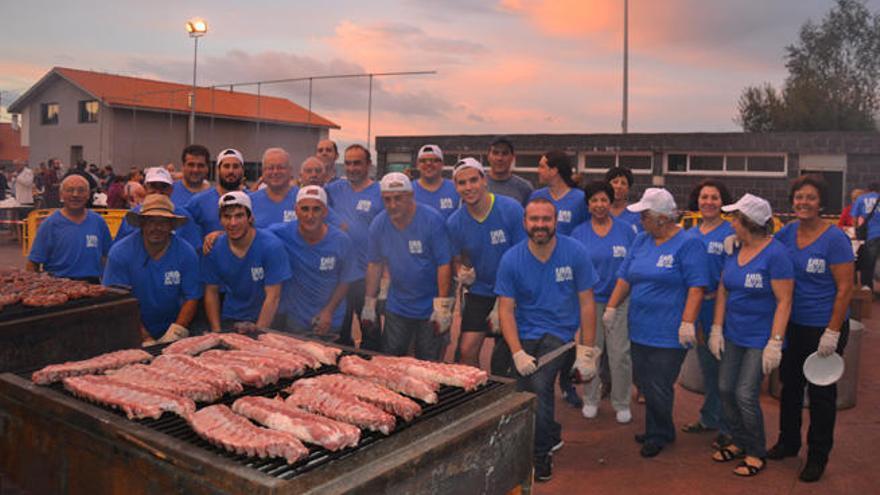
[312,192]
[655,199]
[430,149]
[230,152]
[756,209]
[395,182]
[157,174]
[466,163]
[236,198]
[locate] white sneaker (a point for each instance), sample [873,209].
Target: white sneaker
[589,411]
[624,416]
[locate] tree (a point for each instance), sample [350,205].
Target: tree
[833,81]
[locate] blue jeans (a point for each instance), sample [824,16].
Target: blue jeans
[710,413]
[541,383]
[398,334]
[656,369]
[739,383]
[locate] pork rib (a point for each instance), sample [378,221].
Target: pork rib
[365,390]
[167,381]
[193,345]
[136,401]
[285,367]
[456,375]
[223,380]
[245,372]
[328,403]
[324,354]
[308,427]
[242,343]
[97,364]
[220,426]
[424,390]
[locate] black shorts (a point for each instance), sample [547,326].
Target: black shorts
[475,311]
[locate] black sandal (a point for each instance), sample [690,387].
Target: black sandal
[728,453]
[750,469]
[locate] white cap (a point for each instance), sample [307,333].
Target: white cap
[656,199]
[430,149]
[236,198]
[157,174]
[395,182]
[466,163]
[312,192]
[230,152]
[756,209]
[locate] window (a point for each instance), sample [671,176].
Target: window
[764,164]
[88,111]
[49,113]
[599,162]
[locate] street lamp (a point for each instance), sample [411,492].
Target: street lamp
[196,27]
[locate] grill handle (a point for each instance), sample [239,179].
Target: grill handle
[158,454]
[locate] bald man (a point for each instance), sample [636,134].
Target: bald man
[73,241]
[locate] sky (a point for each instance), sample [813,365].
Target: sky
[502,66]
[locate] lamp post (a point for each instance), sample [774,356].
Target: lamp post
[196,27]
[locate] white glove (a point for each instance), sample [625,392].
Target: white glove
[716,341]
[828,342]
[466,275]
[524,362]
[442,315]
[730,243]
[687,335]
[384,283]
[585,361]
[148,342]
[368,313]
[174,332]
[608,317]
[772,356]
[494,320]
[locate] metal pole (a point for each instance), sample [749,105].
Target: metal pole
[369,111]
[624,122]
[192,99]
[310,101]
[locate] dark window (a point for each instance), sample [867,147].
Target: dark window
[528,160]
[599,161]
[766,164]
[636,162]
[49,113]
[736,163]
[677,162]
[707,162]
[88,111]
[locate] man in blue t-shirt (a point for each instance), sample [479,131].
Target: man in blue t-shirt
[73,241]
[249,262]
[162,271]
[194,163]
[274,203]
[545,290]
[321,261]
[432,189]
[863,211]
[357,201]
[410,239]
[480,232]
[203,206]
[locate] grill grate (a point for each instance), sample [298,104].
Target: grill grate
[18,310]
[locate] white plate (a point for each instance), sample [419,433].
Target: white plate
[823,370]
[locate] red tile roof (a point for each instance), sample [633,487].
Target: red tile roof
[10,144]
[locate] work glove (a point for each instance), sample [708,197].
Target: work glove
[524,362]
[368,312]
[466,275]
[494,320]
[148,342]
[687,335]
[716,341]
[772,356]
[174,332]
[828,342]
[730,244]
[608,317]
[384,283]
[585,361]
[441,318]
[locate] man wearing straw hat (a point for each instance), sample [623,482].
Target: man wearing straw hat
[161,270]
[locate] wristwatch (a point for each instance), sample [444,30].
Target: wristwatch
[777,338]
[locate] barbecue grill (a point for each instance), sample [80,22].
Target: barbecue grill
[468,442]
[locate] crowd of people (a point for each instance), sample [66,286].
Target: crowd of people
[574,284]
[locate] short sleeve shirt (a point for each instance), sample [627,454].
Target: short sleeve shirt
[714,242]
[515,187]
[189,231]
[607,253]
[445,199]
[356,209]
[571,209]
[69,249]
[180,195]
[268,212]
[631,218]
[862,208]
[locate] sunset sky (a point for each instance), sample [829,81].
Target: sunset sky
[508,66]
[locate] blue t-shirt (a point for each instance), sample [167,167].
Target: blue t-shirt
[317,270]
[69,249]
[607,253]
[244,280]
[546,293]
[357,211]
[632,218]
[571,210]
[485,242]
[412,256]
[160,286]
[205,211]
[180,195]
[862,208]
[714,242]
[751,304]
[659,279]
[268,212]
[189,231]
[445,199]
[814,286]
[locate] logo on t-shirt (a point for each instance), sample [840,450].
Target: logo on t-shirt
[754,281]
[564,273]
[257,273]
[618,251]
[172,277]
[91,241]
[497,236]
[364,205]
[563,216]
[415,246]
[289,216]
[328,263]
[665,261]
[446,203]
[715,247]
[869,204]
[816,265]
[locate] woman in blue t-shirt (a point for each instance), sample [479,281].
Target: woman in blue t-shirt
[823,273]
[751,310]
[708,197]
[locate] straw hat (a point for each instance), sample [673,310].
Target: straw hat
[155,205]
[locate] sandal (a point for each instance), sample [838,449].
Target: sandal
[728,453]
[750,470]
[696,427]
[721,440]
